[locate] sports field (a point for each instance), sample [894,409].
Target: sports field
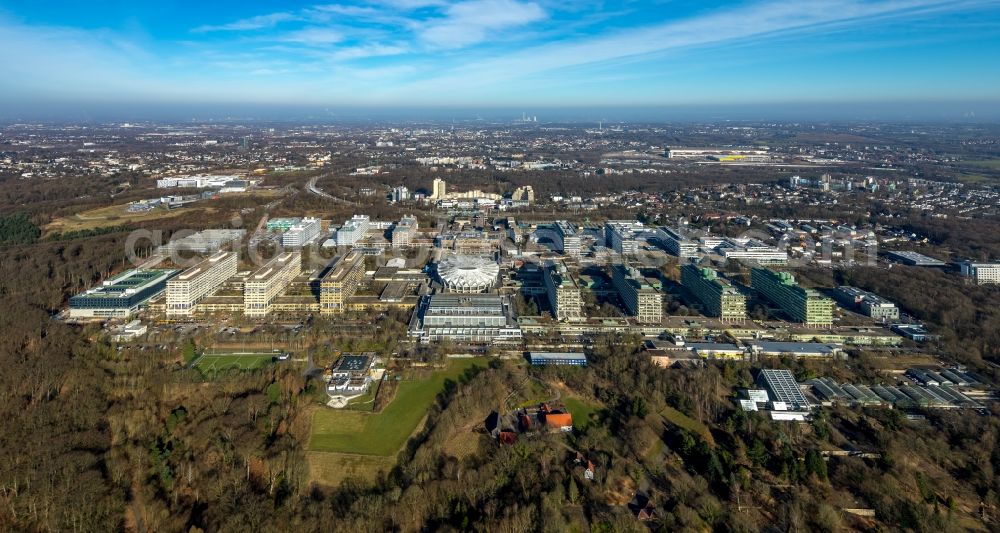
[210,363]
[384,433]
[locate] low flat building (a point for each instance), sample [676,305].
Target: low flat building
[783,389]
[120,296]
[793,349]
[205,242]
[351,376]
[127,332]
[281,223]
[868,303]
[914,332]
[907,257]
[706,152]
[716,350]
[479,319]
[752,251]
[557,358]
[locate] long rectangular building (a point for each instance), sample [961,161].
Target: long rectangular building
[302,233]
[480,318]
[717,296]
[404,232]
[676,242]
[353,230]
[120,296]
[557,358]
[783,388]
[340,283]
[752,250]
[622,236]
[204,242]
[911,258]
[800,304]
[868,303]
[564,292]
[981,273]
[641,300]
[185,290]
[263,287]
[570,244]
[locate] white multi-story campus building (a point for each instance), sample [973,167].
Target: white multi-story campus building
[185,290]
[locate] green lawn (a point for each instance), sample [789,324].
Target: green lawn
[333,468]
[683,421]
[583,412]
[975,179]
[210,363]
[384,433]
[993,164]
[533,393]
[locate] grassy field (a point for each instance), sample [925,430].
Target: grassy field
[209,363]
[683,421]
[115,215]
[532,393]
[332,469]
[384,433]
[993,164]
[583,412]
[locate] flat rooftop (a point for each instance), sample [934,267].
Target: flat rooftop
[916,258]
[793,347]
[343,265]
[564,356]
[203,266]
[274,266]
[353,363]
[443,304]
[127,283]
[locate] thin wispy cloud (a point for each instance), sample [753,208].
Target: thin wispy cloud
[471,22]
[313,36]
[252,23]
[760,21]
[489,51]
[365,51]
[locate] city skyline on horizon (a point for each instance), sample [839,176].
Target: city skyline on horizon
[921,59]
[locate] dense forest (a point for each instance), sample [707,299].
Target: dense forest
[17,229]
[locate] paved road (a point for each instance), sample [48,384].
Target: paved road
[311,187]
[311,368]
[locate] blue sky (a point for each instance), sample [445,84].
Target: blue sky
[499,53]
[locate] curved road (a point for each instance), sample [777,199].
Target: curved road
[311,187]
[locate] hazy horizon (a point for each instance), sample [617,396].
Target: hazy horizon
[972,112]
